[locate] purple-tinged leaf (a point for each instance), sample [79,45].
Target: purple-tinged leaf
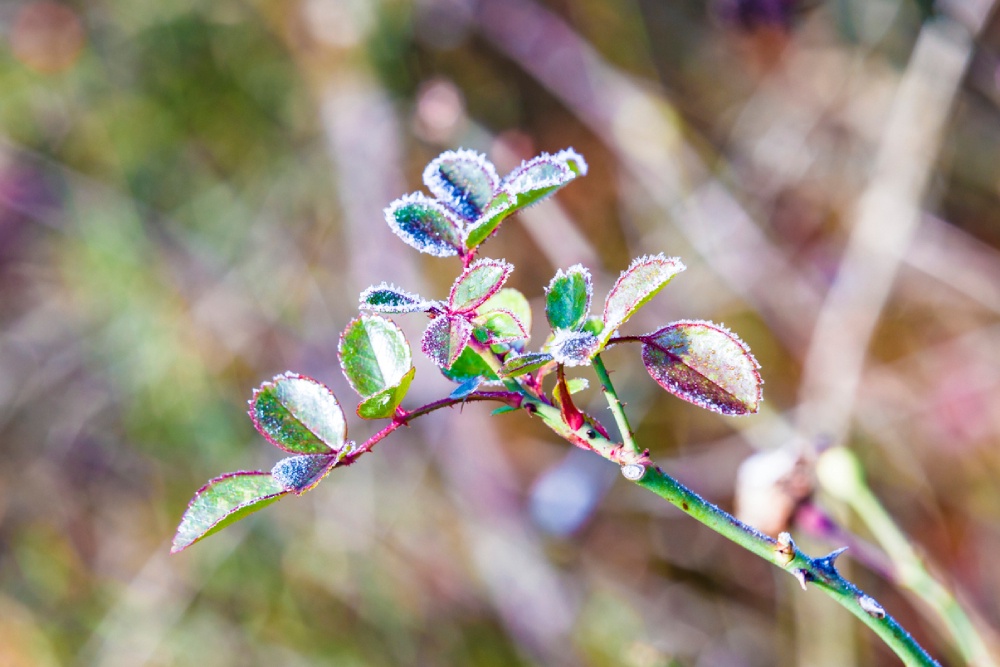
[567,298]
[445,338]
[636,285]
[705,364]
[386,298]
[222,502]
[298,474]
[299,415]
[525,363]
[463,179]
[573,348]
[513,301]
[499,326]
[425,224]
[376,360]
[479,282]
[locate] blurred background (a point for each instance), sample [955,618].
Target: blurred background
[191,199]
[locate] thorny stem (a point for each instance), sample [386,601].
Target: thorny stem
[782,552]
[617,409]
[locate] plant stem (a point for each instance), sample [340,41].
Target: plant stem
[617,409]
[782,553]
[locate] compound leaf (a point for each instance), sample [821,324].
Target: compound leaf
[222,502]
[705,364]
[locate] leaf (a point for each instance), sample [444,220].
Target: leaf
[426,225]
[573,348]
[576,385]
[463,179]
[299,415]
[383,404]
[525,363]
[635,286]
[500,326]
[539,177]
[466,388]
[503,409]
[567,298]
[224,501]
[298,474]
[468,366]
[477,284]
[445,338]
[377,362]
[386,298]
[513,301]
[594,325]
[705,364]
[499,208]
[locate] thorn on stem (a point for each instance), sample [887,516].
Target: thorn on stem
[785,548]
[829,559]
[802,576]
[871,607]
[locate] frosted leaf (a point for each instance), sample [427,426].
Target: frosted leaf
[445,338]
[500,326]
[387,298]
[524,363]
[573,348]
[222,502]
[479,282]
[544,174]
[299,415]
[705,364]
[499,208]
[298,474]
[464,180]
[426,225]
[636,285]
[568,297]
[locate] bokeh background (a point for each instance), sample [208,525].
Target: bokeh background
[191,199]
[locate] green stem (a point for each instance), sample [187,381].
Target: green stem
[617,409]
[841,474]
[782,553]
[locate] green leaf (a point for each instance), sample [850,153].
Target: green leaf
[576,385]
[500,326]
[594,325]
[224,501]
[479,282]
[567,298]
[468,366]
[383,404]
[299,415]
[503,409]
[386,298]
[525,363]
[531,182]
[636,285]
[445,338]
[705,364]
[298,474]
[377,362]
[426,225]
[499,208]
[464,180]
[514,302]
[543,175]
